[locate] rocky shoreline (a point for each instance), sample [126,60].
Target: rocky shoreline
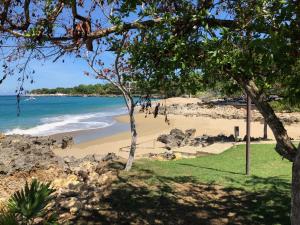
[222,111]
[80,184]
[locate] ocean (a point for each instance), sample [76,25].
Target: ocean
[53,115]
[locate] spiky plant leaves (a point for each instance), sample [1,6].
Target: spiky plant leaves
[52,220]
[30,201]
[7,218]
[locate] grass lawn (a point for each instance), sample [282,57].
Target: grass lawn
[206,190]
[227,169]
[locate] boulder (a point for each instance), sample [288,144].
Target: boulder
[190,133]
[67,142]
[169,140]
[177,134]
[176,138]
[109,157]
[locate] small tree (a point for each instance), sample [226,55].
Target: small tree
[121,75]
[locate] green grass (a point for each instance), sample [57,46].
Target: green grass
[261,198]
[226,169]
[206,190]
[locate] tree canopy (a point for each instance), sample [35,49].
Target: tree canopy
[252,45]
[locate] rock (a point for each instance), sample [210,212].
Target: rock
[169,140]
[69,203]
[176,138]
[38,220]
[26,153]
[152,155]
[231,138]
[74,210]
[197,141]
[169,155]
[85,213]
[177,134]
[202,141]
[79,190]
[67,142]
[190,133]
[2,136]
[66,182]
[110,157]
[69,159]
[164,138]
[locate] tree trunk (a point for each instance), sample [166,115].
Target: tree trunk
[265,130]
[295,209]
[133,138]
[284,146]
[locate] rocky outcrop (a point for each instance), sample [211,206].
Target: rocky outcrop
[25,153]
[79,193]
[67,142]
[178,138]
[80,184]
[223,111]
[206,140]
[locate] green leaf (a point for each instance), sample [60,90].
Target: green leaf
[31,200]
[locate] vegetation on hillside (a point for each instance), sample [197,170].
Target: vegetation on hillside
[285,106]
[177,88]
[97,89]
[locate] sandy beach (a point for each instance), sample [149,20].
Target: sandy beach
[150,128]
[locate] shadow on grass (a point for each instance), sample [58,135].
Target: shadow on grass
[143,197]
[209,168]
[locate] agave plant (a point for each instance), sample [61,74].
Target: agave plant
[7,218]
[27,204]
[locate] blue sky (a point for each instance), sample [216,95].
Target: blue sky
[58,74]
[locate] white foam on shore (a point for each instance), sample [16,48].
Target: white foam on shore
[69,123]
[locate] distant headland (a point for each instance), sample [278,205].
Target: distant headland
[80,90]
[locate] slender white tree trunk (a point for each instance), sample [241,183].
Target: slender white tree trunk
[133,138]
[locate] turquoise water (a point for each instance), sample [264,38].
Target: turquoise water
[52,115]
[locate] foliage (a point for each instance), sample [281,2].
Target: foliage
[284,106]
[29,203]
[97,89]
[7,218]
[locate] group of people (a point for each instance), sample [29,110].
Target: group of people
[146,106]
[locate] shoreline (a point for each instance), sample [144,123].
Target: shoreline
[82,136]
[149,129]
[183,114]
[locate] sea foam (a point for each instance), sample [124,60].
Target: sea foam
[69,123]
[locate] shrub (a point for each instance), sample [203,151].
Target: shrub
[28,204]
